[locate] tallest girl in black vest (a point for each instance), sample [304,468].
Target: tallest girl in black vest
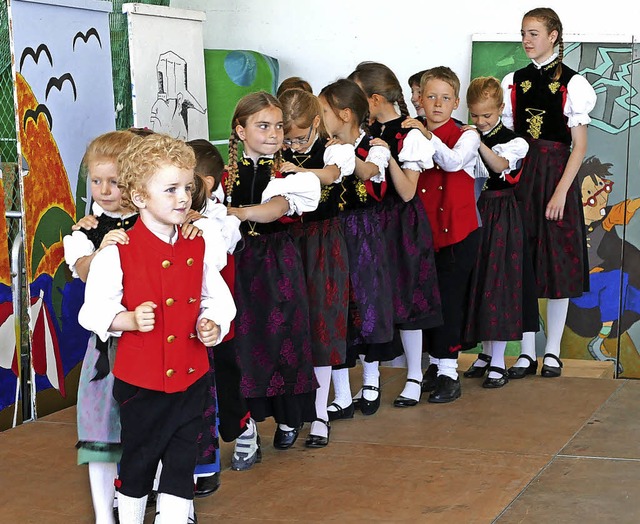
[548,103]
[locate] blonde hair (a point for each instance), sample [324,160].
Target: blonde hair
[443,73]
[107,147]
[248,105]
[485,88]
[300,108]
[144,156]
[551,21]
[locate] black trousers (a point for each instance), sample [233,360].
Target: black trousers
[454,265]
[233,411]
[159,426]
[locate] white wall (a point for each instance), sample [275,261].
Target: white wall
[324,40]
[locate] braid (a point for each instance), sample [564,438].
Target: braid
[232,171]
[403,106]
[558,71]
[277,162]
[364,125]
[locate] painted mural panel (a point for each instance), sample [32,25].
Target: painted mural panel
[603,323]
[167,70]
[64,93]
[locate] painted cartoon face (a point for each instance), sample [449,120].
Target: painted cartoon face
[415,99]
[537,42]
[103,176]
[263,133]
[485,114]
[439,101]
[167,199]
[595,196]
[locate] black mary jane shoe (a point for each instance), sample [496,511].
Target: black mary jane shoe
[478,371]
[406,402]
[495,383]
[316,441]
[341,412]
[285,439]
[447,390]
[369,407]
[429,378]
[205,486]
[519,372]
[551,371]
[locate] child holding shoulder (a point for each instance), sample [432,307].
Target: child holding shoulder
[164,328]
[407,232]
[98,415]
[272,332]
[447,192]
[499,306]
[548,103]
[321,241]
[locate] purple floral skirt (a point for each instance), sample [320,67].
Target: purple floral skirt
[324,256]
[272,333]
[409,246]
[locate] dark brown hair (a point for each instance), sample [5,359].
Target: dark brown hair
[414,79]
[376,78]
[346,94]
[293,82]
[208,163]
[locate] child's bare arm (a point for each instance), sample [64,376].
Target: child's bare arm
[142,319]
[262,213]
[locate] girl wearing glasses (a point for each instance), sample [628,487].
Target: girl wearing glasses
[321,241]
[548,103]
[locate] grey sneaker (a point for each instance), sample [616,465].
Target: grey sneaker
[247,451]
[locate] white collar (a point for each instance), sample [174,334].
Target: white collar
[98,211]
[547,61]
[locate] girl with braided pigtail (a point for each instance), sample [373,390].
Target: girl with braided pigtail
[407,233]
[272,331]
[548,104]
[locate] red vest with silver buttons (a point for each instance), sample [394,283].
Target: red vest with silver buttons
[170,357]
[448,197]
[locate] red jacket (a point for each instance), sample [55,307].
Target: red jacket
[170,357]
[448,197]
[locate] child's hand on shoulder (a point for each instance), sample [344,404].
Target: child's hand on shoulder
[189,231]
[414,123]
[115,236]
[88,222]
[379,142]
[208,332]
[333,141]
[194,215]
[145,317]
[289,167]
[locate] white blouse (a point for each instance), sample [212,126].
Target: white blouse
[581,98]
[302,191]
[462,157]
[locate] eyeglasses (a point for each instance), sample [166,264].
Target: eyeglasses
[591,201]
[298,141]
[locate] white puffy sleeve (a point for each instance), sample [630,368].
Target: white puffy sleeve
[302,191]
[343,156]
[76,245]
[507,114]
[214,241]
[513,152]
[581,99]
[380,156]
[228,224]
[103,294]
[417,152]
[216,300]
